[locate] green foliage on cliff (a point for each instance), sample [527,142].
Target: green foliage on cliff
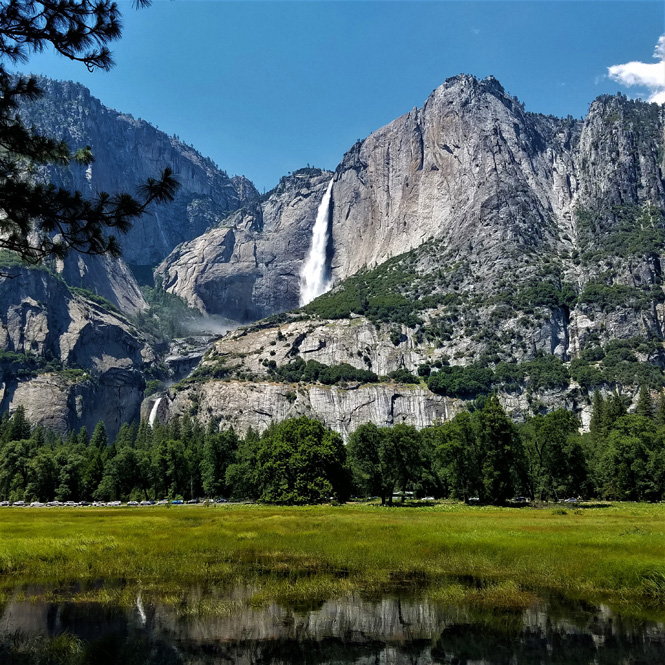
[461,381]
[548,291]
[621,231]
[611,297]
[618,363]
[313,372]
[23,366]
[94,297]
[383,295]
[167,315]
[465,382]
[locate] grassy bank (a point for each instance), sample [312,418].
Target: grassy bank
[498,557]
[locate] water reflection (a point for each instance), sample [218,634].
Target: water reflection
[350,630]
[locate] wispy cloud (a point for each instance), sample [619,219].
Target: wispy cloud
[645,74]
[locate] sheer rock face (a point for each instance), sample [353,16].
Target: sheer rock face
[470,167]
[473,169]
[256,405]
[127,152]
[43,319]
[250,267]
[494,185]
[105,276]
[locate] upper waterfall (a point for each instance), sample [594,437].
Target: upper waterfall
[313,278]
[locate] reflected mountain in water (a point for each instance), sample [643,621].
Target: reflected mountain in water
[349,630]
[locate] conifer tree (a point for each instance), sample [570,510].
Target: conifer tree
[83,438]
[18,427]
[597,423]
[99,439]
[615,408]
[644,403]
[40,220]
[660,409]
[501,446]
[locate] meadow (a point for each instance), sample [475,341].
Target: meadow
[210,559]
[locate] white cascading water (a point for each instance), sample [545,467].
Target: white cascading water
[153,413]
[313,280]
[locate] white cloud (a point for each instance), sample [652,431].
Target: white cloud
[648,75]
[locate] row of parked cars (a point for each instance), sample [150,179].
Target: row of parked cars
[103,504]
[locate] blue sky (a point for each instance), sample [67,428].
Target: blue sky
[264,88]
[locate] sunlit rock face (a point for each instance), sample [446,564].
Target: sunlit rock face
[473,168]
[250,266]
[497,188]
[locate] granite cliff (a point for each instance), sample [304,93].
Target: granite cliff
[68,359]
[466,235]
[249,267]
[127,152]
[473,247]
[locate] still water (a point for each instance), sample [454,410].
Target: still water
[391,630]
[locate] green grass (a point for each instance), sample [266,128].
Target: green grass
[498,557]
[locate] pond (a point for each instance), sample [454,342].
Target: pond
[352,629]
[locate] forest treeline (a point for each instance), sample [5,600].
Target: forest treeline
[480,453]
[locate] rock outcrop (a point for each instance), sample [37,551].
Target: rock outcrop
[104,276]
[261,397]
[249,267]
[242,405]
[68,360]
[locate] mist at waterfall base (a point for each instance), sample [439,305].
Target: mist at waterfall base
[314,278]
[210,324]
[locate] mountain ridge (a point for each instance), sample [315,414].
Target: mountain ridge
[468,233]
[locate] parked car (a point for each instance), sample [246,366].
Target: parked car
[4,504]
[177,502]
[36,504]
[19,504]
[146,503]
[132,503]
[163,502]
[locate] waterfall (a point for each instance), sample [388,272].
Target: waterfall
[153,413]
[313,280]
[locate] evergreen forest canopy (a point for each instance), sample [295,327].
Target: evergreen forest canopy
[479,454]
